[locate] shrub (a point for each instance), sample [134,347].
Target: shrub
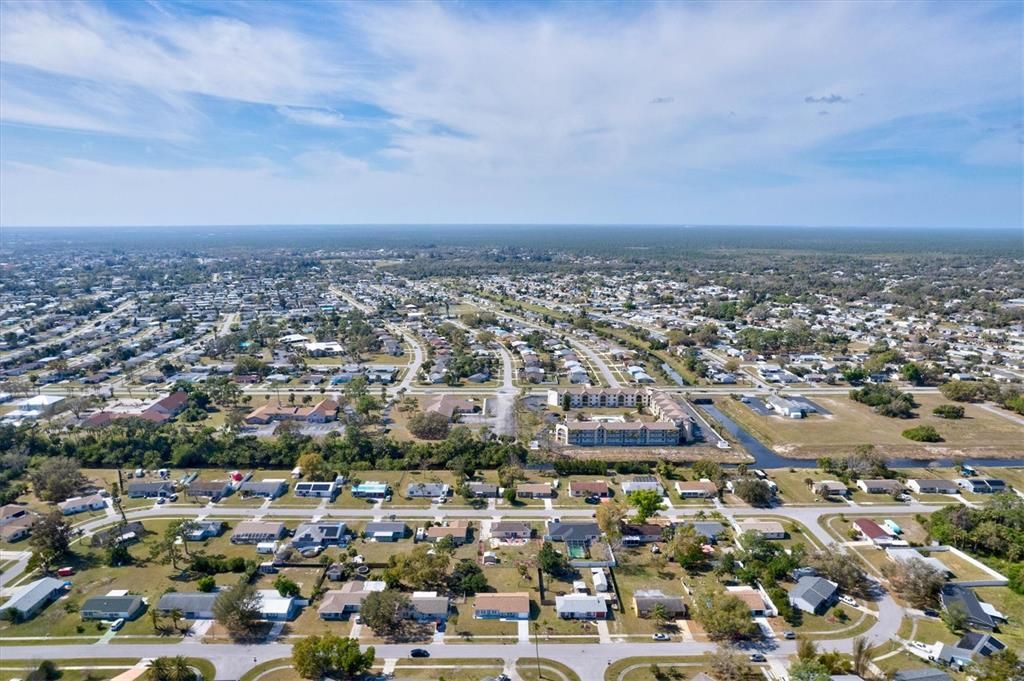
[949,411]
[922,434]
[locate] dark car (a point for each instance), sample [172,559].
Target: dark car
[930,612]
[757,657]
[593,500]
[419,652]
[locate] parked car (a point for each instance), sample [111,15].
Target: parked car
[789,635]
[419,652]
[161,500]
[848,600]
[118,623]
[930,612]
[757,657]
[593,500]
[660,637]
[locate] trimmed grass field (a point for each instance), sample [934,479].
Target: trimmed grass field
[981,433]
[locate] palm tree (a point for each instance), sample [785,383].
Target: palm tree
[861,655]
[154,617]
[176,614]
[171,669]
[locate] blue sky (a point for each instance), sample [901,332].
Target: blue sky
[817,113]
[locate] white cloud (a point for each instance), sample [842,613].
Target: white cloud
[316,117]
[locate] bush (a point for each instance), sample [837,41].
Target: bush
[922,434]
[206,584]
[949,411]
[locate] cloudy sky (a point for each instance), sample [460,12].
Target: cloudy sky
[814,113]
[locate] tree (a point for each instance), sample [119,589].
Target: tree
[47,670]
[659,613]
[609,518]
[860,656]
[949,411]
[314,467]
[729,665]
[286,587]
[647,503]
[955,618]
[808,670]
[922,434]
[755,492]
[916,581]
[171,669]
[50,540]
[551,561]
[687,547]
[806,649]
[711,470]
[384,611]
[467,579]
[723,616]
[330,655]
[429,425]
[963,391]
[238,610]
[566,401]
[836,565]
[1005,665]
[56,478]
[425,567]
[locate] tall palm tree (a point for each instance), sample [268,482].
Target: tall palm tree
[176,614]
[861,655]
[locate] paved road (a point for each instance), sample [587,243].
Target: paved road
[588,660]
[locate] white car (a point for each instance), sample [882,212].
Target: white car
[118,623]
[848,600]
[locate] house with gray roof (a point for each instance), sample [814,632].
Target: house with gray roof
[584,532]
[149,490]
[321,533]
[268,489]
[112,607]
[487,490]
[429,490]
[922,675]
[954,596]
[193,606]
[27,600]
[814,594]
[646,600]
[385,531]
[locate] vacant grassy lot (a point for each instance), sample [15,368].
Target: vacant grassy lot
[980,433]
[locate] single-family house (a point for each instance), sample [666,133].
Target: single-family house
[769,529]
[830,488]
[639,483]
[982,485]
[510,529]
[589,488]
[93,502]
[535,490]
[267,489]
[458,531]
[150,490]
[323,490]
[871,531]
[387,531]
[427,490]
[932,486]
[645,601]
[320,533]
[753,599]
[641,533]
[199,530]
[969,648]
[371,490]
[214,490]
[882,486]
[814,594]
[341,603]
[256,531]
[955,596]
[578,606]
[428,606]
[572,531]
[27,600]
[119,535]
[483,490]
[696,489]
[502,606]
[112,607]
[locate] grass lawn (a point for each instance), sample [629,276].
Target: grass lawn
[639,569]
[961,569]
[550,670]
[979,434]
[794,490]
[639,668]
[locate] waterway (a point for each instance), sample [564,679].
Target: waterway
[765,457]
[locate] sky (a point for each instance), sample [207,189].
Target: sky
[256,112]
